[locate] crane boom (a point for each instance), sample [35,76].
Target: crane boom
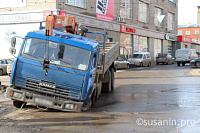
[55,21]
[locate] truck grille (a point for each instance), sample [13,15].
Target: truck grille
[48,88]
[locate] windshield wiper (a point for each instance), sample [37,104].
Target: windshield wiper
[64,63]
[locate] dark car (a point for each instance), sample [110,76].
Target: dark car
[165,59]
[195,62]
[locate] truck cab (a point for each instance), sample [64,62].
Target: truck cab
[73,65]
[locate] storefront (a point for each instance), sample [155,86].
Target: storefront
[184,42]
[171,46]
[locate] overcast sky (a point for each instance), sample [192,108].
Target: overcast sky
[187,11]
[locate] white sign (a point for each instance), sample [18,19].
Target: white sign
[12,3]
[21,17]
[160,18]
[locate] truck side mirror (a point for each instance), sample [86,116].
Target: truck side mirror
[13,42]
[12,51]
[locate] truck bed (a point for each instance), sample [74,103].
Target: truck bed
[107,55]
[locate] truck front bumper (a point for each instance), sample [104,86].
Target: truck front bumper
[39,100]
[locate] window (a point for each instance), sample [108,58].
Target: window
[158,13]
[171,0]
[143,12]
[171,21]
[180,32]
[78,3]
[196,32]
[126,9]
[187,32]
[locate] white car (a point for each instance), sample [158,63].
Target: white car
[140,59]
[121,63]
[184,56]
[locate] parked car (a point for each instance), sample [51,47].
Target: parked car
[184,56]
[140,59]
[9,67]
[3,65]
[121,63]
[195,62]
[165,59]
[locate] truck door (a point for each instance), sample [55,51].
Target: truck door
[93,70]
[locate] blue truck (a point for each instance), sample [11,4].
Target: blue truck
[63,71]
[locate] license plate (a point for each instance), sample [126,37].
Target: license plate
[43,101]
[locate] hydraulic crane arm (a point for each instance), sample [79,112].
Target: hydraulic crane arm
[55,21]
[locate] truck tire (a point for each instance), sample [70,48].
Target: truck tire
[106,87]
[18,104]
[183,64]
[112,79]
[178,63]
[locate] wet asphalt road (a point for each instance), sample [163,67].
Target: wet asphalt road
[164,98]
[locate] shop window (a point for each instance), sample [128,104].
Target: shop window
[158,13]
[157,47]
[78,3]
[142,46]
[143,12]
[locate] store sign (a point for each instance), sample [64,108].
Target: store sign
[12,3]
[21,17]
[132,30]
[184,39]
[105,9]
[64,13]
[168,37]
[97,23]
[122,28]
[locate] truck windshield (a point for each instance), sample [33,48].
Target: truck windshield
[58,54]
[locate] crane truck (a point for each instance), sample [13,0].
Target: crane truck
[59,67]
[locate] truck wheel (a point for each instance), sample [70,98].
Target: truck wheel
[112,79]
[106,87]
[178,63]
[197,64]
[18,104]
[183,64]
[1,72]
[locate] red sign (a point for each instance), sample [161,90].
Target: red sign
[122,28]
[184,39]
[46,13]
[128,29]
[105,9]
[64,13]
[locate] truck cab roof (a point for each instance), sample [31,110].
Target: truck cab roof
[66,38]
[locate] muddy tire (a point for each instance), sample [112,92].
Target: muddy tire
[17,104]
[106,87]
[112,79]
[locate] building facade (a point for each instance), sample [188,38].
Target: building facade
[190,37]
[138,25]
